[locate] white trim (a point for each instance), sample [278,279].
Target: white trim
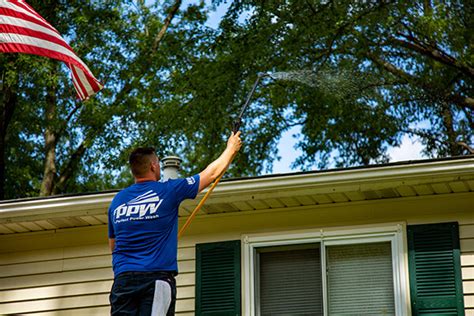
[353,177]
[261,187]
[324,271]
[395,233]
[257,282]
[53,205]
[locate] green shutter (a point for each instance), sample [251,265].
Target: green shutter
[218,279]
[435,269]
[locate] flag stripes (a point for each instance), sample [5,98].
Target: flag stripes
[23,30]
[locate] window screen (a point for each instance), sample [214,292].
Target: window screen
[360,279]
[290,281]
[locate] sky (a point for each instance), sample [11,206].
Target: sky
[410,148]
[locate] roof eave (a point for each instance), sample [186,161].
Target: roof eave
[327,182]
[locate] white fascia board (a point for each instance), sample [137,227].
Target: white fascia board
[324,182]
[402,174]
[67,206]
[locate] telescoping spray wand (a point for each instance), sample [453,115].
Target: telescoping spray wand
[235,128]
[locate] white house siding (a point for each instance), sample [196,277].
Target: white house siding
[466,234]
[69,280]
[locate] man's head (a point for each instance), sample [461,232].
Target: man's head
[144,164]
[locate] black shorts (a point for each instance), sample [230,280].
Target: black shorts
[133,293]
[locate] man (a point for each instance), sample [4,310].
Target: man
[143,229]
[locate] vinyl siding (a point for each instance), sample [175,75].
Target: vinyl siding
[466,235]
[73,281]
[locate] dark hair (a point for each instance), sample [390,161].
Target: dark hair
[140,160]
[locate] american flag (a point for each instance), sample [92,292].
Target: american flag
[23,30]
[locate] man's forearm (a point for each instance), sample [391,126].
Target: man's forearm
[218,166]
[215,168]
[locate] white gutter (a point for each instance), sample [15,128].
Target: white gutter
[384,173]
[56,207]
[371,178]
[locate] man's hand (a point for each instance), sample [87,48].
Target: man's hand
[208,175]
[234,142]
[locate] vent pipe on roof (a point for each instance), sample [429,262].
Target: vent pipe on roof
[171,166]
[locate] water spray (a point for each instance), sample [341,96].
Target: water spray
[337,83]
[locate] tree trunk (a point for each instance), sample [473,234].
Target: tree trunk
[8,103]
[50,141]
[447,115]
[70,169]
[7,108]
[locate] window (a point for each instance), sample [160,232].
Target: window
[360,279]
[359,271]
[290,279]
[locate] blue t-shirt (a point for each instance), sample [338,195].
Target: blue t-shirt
[143,219]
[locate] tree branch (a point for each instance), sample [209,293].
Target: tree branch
[64,123]
[433,52]
[437,140]
[466,146]
[422,134]
[73,111]
[166,24]
[460,100]
[341,28]
[133,83]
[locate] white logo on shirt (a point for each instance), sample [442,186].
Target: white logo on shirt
[191,180]
[144,205]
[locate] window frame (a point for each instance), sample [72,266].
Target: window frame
[395,233]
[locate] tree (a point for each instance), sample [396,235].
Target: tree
[377,70]
[383,67]
[116,38]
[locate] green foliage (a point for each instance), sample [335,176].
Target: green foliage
[410,64]
[384,69]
